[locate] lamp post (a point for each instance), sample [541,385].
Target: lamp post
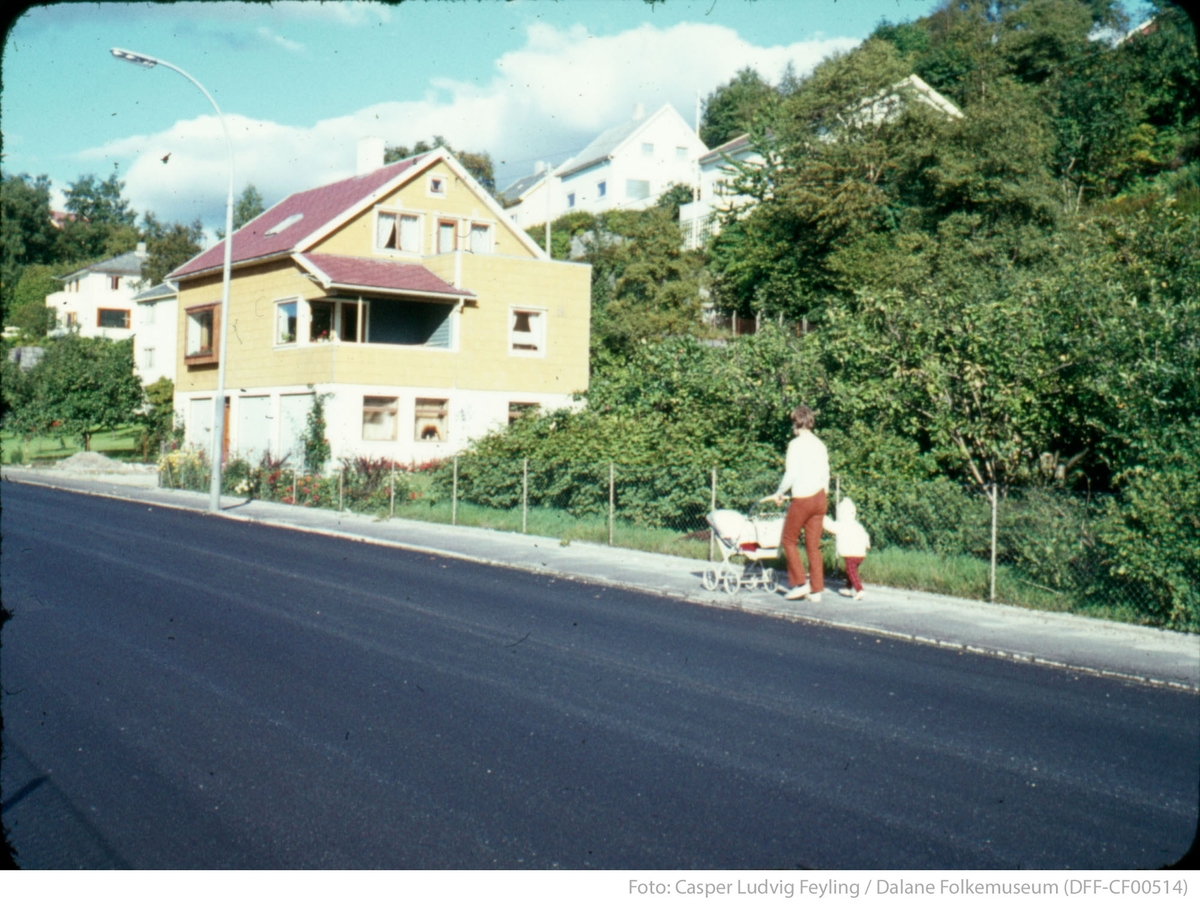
[214,497]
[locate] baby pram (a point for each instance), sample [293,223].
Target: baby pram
[755,539]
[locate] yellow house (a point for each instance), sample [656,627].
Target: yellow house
[404,295]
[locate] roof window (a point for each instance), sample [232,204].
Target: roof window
[284,224]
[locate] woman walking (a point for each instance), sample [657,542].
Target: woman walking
[805,481]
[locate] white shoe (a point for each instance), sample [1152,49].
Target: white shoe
[798,592]
[846,592]
[814,598]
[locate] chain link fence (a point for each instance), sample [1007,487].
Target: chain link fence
[1036,547]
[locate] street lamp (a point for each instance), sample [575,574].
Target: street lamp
[214,494]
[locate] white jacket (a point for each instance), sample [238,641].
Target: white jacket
[852,537]
[806,471]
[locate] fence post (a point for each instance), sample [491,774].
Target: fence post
[837,498]
[524,494]
[392,499]
[341,482]
[712,538]
[454,496]
[995,500]
[295,502]
[170,477]
[611,503]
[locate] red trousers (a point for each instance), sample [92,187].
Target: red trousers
[852,564]
[807,513]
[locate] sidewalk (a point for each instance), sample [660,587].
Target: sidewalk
[1055,639]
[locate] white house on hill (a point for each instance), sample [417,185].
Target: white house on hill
[625,167]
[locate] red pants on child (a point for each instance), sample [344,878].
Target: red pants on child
[852,564]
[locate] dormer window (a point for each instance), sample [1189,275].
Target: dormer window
[284,224]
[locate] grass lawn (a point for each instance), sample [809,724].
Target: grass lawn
[118,444]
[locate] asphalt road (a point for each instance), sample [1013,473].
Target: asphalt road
[183,691]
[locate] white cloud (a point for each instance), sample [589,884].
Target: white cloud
[281,41]
[545,101]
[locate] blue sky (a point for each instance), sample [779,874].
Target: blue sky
[300,82]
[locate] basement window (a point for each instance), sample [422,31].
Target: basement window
[432,417]
[379,417]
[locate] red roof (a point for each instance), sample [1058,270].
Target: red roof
[311,210]
[372,273]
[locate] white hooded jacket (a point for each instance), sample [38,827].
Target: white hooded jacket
[852,537]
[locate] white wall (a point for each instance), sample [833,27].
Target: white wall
[87,295]
[155,325]
[274,420]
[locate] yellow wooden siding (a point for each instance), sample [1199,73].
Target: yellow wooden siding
[460,203]
[481,362]
[511,276]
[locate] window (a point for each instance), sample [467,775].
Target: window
[401,232]
[527,332]
[446,236]
[681,152]
[379,417]
[437,186]
[432,416]
[481,238]
[637,189]
[571,200]
[115,284]
[320,324]
[285,323]
[601,189]
[201,334]
[402,322]
[112,317]
[148,314]
[147,358]
[517,410]
[647,149]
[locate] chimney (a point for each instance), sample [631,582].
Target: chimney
[370,155]
[141,250]
[639,112]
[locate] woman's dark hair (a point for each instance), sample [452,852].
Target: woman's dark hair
[803,417]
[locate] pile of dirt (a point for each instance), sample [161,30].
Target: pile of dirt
[96,463]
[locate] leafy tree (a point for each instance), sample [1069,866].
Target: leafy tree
[102,224]
[644,285]
[168,246]
[80,386]
[249,205]
[675,195]
[731,109]
[27,235]
[27,306]
[563,230]
[478,163]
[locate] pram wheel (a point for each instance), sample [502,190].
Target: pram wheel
[731,583]
[709,579]
[768,581]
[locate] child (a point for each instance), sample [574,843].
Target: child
[852,544]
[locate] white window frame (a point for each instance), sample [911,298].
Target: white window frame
[535,337]
[421,410]
[400,216]
[488,238]
[453,225]
[647,149]
[436,185]
[381,406]
[278,333]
